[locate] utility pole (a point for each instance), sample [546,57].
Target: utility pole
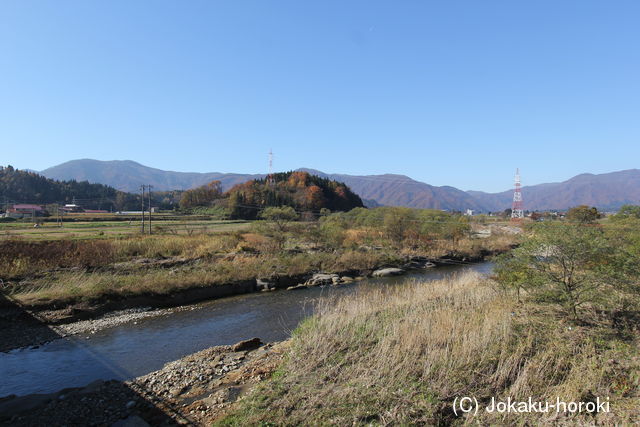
[142,211]
[149,197]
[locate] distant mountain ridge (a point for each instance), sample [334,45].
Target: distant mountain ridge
[127,175]
[606,191]
[400,190]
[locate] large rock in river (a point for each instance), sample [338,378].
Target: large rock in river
[384,272]
[323,279]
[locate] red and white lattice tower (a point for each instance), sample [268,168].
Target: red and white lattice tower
[516,208]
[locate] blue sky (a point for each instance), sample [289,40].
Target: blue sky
[448,92]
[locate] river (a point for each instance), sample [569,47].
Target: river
[130,350]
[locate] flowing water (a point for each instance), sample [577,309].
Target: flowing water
[131,350]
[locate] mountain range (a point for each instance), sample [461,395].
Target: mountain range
[606,191]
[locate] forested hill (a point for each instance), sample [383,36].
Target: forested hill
[20,186]
[126,175]
[300,190]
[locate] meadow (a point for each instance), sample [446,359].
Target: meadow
[99,226]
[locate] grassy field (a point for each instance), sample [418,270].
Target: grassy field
[402,356]
[78,226]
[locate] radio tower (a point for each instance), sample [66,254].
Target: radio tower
[516,208]
[270,176]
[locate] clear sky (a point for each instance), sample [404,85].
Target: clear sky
[448,92]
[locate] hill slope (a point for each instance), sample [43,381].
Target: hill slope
[400,190]
[606,191]
[127,175]
[387,189]
[19,186]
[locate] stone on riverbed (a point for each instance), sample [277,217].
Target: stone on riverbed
[251,344]
[385,272]
[264,284]
[323,279]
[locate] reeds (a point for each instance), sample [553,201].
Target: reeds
[401,355]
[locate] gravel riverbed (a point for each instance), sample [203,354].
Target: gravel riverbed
[109,320]
[194,390]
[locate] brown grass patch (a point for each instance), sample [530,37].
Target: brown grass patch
[401,356]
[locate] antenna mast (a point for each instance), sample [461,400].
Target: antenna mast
[270,176]
[516,208]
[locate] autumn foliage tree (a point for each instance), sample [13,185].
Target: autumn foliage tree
[201,196]
[300,190]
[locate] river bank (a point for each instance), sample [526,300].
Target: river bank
[135,348]
[36,325]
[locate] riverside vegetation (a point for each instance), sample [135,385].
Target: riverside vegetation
[282,244]
[559,320]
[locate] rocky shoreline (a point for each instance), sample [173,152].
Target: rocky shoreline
[194,390]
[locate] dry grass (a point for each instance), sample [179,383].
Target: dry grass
[38,272]
[67,287]
[70,287]
[402,355]
[21,257]
[468,247]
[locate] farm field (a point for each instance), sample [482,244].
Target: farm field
[83,227]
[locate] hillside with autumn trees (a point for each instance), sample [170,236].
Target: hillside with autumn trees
[300,190]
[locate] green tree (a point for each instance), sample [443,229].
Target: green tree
[456,228]
[279,216]
[333,228]
[570,265]
[276,224]
[627,211]
[583,214]
[399,223]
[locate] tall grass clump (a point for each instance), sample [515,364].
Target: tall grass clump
[401,355]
